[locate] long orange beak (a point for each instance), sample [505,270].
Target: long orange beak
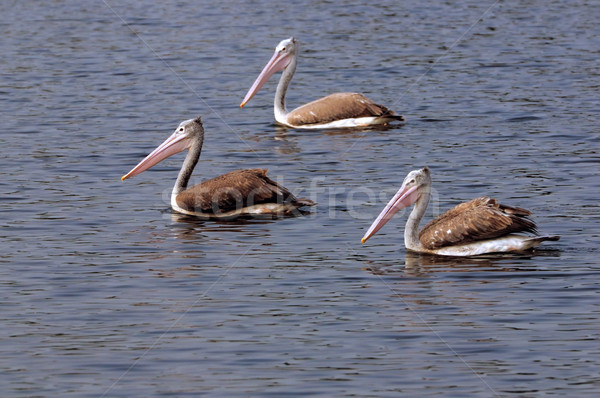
[176,143]
[403,198]
[277,63]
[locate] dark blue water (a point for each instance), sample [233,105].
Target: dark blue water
[105,292]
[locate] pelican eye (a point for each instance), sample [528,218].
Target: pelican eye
[412,181]
[180,129]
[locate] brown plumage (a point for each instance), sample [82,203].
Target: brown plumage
[476,227]
[337,107]
[235,190]
[341,110]
[478,219]
[239,193]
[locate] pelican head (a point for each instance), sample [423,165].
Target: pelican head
[284,53]
[413,186]
[182,138]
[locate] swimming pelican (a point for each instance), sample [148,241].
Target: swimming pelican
[479,226]
[335,110]
[231,195]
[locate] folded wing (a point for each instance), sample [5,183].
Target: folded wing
[235,190]
[478,219]
[337,107]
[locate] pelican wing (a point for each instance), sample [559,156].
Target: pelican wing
[235,190]
[478,219]
[337,107]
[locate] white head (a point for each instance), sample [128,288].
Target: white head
[181,139]
[285,51]
[413,186]
[287,46]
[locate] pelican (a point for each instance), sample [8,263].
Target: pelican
[235,194]
[333,111]
[479,226]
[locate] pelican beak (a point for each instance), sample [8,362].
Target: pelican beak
[176,143]
[403,198]
[278,62]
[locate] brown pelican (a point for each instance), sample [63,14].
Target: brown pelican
[235,194]
[479,226]
[335,110]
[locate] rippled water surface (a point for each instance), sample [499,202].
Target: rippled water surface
[106,292]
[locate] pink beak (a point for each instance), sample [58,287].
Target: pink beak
[403,198]
[176,143]
[277,63]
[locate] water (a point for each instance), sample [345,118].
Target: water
[106,292]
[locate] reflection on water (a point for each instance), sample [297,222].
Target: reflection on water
[281,132]
[422,265]
[286,144]
[192,227]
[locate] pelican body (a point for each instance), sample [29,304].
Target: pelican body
[236,194]
[334,111]
[479,226]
